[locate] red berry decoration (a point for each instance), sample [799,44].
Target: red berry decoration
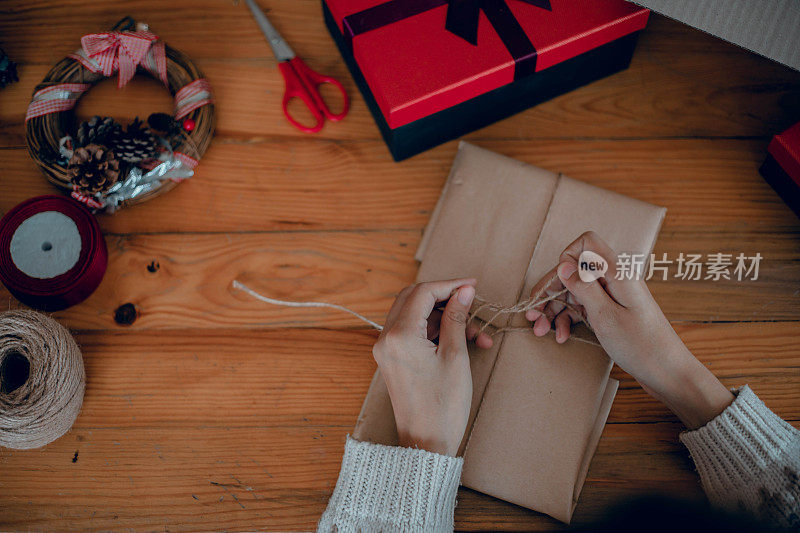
[189,124]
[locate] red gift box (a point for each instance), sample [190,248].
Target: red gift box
[782,167]
[419,57]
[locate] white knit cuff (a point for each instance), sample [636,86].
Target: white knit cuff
[389,488]
[748,458]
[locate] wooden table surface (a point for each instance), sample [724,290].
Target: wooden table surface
[212,411]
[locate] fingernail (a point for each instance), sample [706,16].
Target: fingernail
[566,270]
[532,314]
[466,294]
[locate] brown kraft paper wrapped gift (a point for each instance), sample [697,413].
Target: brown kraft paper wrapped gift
[538,407]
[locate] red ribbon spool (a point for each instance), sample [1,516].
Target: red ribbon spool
[64,289]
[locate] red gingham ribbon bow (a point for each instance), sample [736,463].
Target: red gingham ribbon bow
[124,51]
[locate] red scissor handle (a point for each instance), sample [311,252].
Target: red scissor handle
[303,83]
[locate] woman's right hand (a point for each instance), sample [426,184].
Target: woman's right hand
[633,331]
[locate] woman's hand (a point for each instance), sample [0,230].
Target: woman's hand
[633,331]
[430,385]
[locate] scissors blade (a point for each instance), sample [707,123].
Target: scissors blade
[281,49]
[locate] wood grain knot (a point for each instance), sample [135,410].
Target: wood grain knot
[126,314]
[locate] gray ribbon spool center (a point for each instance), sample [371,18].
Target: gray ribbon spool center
[46,245]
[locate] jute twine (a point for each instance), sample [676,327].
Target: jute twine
[41,380]
[489,326]
[479,304]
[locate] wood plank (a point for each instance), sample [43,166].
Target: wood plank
[175,425]
[215,478]
[192,284]
[763,355]
[678,102]
[233,34]
[677,94]
[184,280]
[303,378]
[316,184]
[259,378]
[773,296]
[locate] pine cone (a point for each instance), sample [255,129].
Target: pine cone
[136,144]
[8,70]
[97,130]
[93,169]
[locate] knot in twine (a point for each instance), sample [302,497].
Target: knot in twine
[41,380]
[478,305]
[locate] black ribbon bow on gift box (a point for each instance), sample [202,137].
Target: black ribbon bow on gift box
[462,20]
[463,15]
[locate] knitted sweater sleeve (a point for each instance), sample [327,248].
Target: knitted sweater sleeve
[389,488]
[748,459]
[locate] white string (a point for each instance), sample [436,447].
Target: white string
[521,307]
[273,301]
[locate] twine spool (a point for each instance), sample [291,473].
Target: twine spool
[41,380]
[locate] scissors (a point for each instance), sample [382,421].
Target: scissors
[301,82]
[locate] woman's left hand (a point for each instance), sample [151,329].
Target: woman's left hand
[430,385]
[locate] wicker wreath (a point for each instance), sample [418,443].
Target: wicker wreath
[93,173]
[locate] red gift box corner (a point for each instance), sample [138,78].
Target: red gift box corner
[415,67]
